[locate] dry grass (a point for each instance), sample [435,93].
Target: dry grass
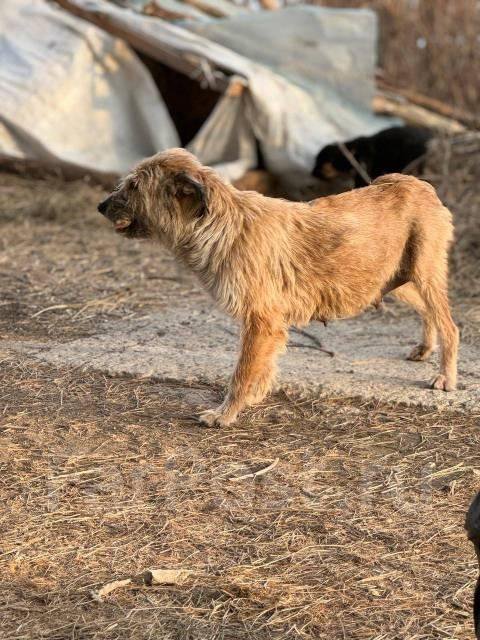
[62,270]
[358,530]
[356,533]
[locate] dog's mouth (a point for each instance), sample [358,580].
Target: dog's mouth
[130,228]
[122,224]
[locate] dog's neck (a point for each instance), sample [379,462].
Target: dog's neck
[209,248]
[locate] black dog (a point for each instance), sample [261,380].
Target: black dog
[472,525]
[389,151]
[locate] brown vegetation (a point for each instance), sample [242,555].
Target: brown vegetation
[357,531]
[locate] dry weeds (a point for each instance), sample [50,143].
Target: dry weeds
[355,533]
[431,46]
[454,169]
[63,273]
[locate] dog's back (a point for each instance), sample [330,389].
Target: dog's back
[388,198]
[397,227]
[427,210]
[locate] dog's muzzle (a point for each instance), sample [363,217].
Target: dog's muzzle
[103,206]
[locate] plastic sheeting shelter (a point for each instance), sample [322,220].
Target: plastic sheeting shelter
[295,80]
[70,92]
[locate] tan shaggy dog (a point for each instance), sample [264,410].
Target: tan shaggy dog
[272,263]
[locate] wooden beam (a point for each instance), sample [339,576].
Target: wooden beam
[216,9]
[432,104]
[392,105]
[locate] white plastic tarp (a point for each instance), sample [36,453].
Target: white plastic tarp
[71,91]
[312,77]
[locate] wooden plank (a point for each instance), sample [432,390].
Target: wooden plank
[216,8]
[270,5]
[172,10]
[432,104]
[56,169]
[413,114]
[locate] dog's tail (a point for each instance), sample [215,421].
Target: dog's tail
[395,178]
[403,181]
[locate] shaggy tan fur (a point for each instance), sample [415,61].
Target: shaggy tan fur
[272,263]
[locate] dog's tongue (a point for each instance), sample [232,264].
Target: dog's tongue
[122,224]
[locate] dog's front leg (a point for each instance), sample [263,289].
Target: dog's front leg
[253,377]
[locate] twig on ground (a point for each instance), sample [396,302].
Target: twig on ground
[318,344]
[262,472]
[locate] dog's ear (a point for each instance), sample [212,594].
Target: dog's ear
[135,181]
[191,194]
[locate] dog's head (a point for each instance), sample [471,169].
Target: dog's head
[331,163]
[164,196]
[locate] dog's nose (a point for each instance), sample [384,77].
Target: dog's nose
[103,206]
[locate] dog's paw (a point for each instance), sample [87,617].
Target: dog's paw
[419,353]
[215,418]
[442,384]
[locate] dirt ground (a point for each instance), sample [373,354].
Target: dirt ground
[356,530]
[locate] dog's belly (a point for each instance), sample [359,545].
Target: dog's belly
[341,312]
[335,305]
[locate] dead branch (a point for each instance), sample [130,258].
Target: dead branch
[394,105]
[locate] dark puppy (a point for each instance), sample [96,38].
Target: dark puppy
[472,525]
[389,151]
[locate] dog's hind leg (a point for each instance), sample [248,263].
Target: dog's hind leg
[427,267]
[409,294]
[436,301]
[430,276]
[262,340]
